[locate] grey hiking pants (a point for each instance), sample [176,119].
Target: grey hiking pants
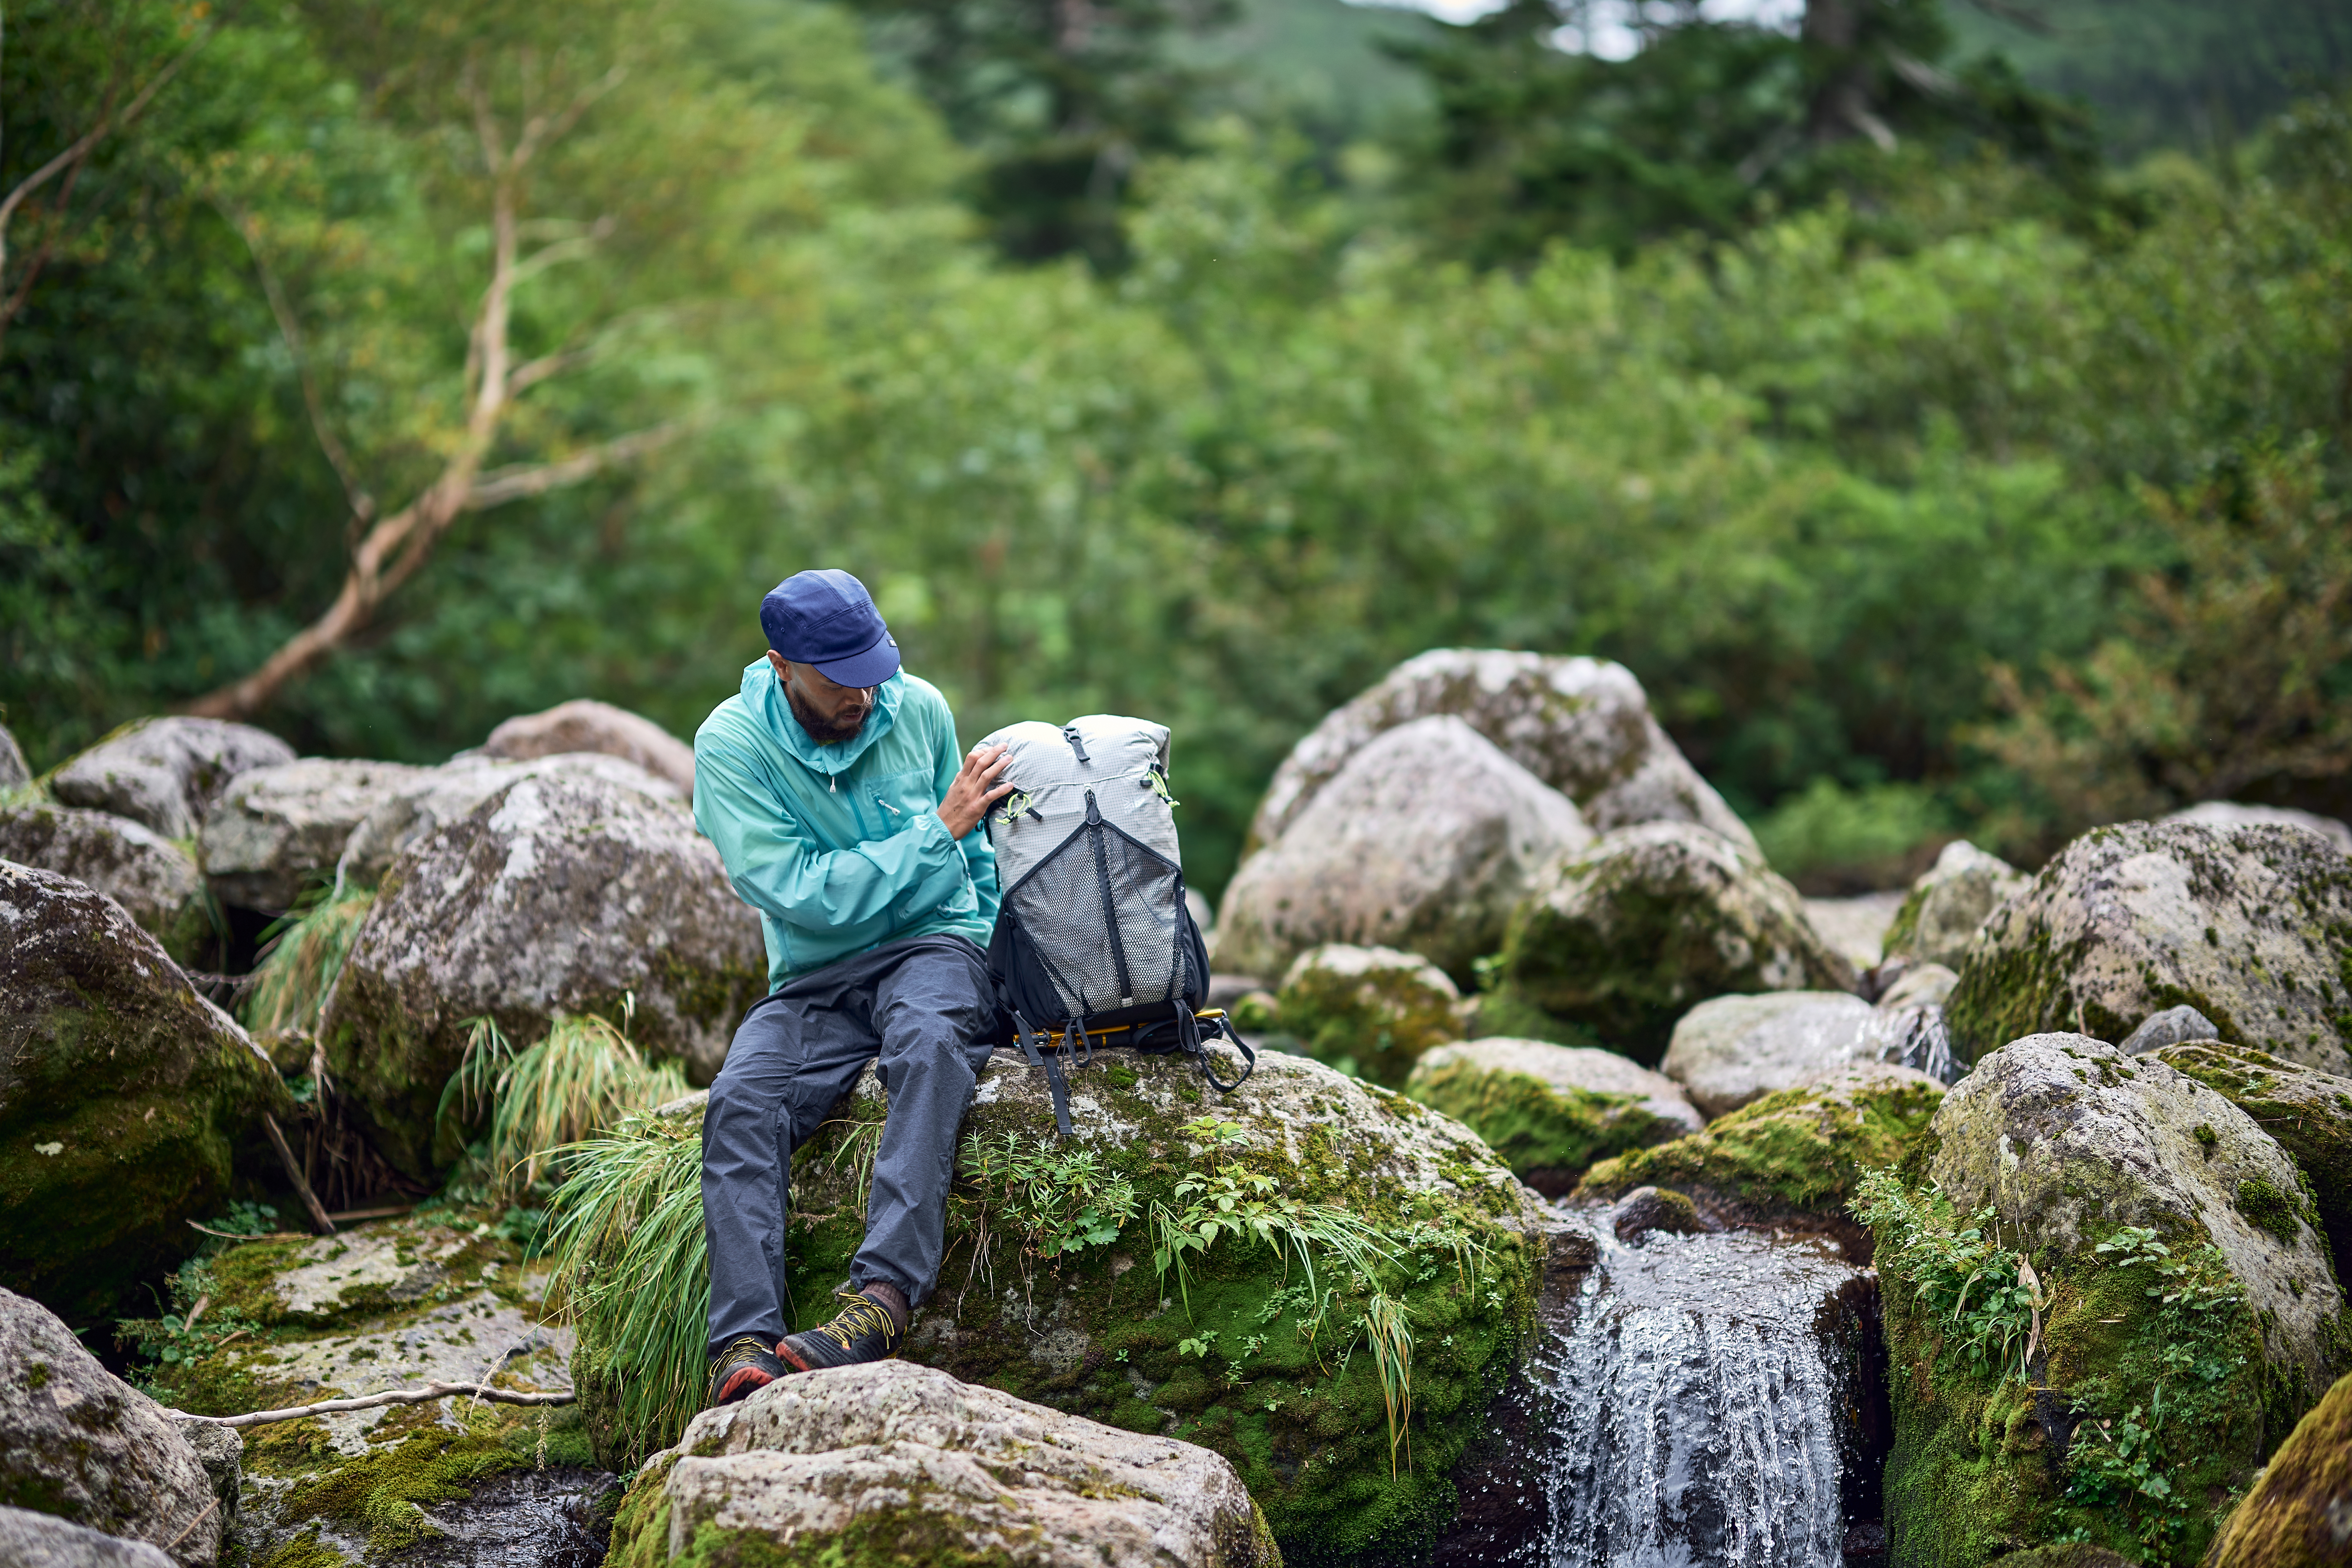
[924,1006]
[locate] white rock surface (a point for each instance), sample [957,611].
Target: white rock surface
[166,772]
[278,830]
[1939,916]
[584,725]
[910,1450]
[151,877]
[2231,814]
[1919,985]
[434,797]
[1425,838]
[1569,1067]
[1733,1049]
[29,1540]
[1856,927]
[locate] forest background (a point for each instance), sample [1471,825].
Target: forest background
[1943,410]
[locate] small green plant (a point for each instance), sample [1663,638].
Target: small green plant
[579,1080]
[1198,1345]
[1390,1337]
[1988,1292]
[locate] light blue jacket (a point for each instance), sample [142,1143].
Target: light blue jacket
[841,847]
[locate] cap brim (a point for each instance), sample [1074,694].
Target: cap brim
[872,668]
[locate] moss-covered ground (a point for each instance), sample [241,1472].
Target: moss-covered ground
[1548,1135]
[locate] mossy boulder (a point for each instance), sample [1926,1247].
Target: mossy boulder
[1944,907]
[1425,839]
[2105,1302]
[127,1101]
[1370,1011]
[2233,814]
[1627,936]
[558,893]
[277,832]
[1240,1352]
[1799,1150]
[1581,725]
[166,772]
[1732,1050]
[432,798]
[900,1463]
[2252,926]
[1551,1111]
[155,880]
[2307,1113]
[2299,1515]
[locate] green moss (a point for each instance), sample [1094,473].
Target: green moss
[2309,1113]
[1504,1012]
[1547,1135]
[1798,1150]
[2267,1208]
[306,1550]
[1374,1023]
[384,1493]
[2292,1518]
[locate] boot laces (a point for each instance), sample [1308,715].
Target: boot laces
[860,1314]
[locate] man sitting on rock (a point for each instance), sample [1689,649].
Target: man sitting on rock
[834,789]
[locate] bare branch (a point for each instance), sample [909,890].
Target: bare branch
[431,1391]
[502,485]
[540,132]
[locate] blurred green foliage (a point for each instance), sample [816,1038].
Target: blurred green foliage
[1817,479]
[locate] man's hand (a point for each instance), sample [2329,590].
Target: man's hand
[975,789]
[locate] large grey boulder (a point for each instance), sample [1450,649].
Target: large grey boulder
[29,1540]
[2250,926]
[126,1099]
[1370,1011]
[13,774]
[1857,926]
[154,881]
[1425,838]
[562,893]
[589,726]
[2231,814]
[1944,907]
[908,1454]
[1551,1111]
[166,772]
[1628,935]
[78,1442]
[278,830]
[1730,1050]
[1581,725]
[434,797]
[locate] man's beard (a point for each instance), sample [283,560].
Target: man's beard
[825,732]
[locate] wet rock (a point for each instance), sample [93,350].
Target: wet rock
[1647,1209]
[1734,1049]
[2306,1112]
[1370,1011]
[1856,927]
[2230,813]
[2250,926]
[13,774]
[2169,1027]
[166,773]
[1551,1111]
[78,1442]
[586,725]
[154,881]
[1581,725]
[942,1469]
[126,1099]
[1626,936]
[558,893]
[29,1540]
[434,797]
[280,830]
[1946,905]
[2299,1514]
[1425,838]
[1799,1151]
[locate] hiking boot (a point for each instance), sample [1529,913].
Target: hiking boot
[862,1331]
[743,1369]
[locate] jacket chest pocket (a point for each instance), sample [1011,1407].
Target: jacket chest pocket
[897,799]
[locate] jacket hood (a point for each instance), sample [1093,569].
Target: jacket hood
[763,694]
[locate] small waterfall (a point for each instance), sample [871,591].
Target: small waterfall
[1914,1037]
[1698,1422]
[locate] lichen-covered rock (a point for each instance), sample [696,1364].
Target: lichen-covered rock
[2250,926]
[560,893]
[125,1098]
[1581,725]
[1796,1152]
[2231,814]
[30,1540]
[1370,1011]
[1232,1353]
[154,881]
[13,774]
[2158,1256]
[1551,1111]
[1426,838]
[2307,1113]
[1626,936]
[166,772]
[2299,1514]
[584,725]
[280,830]
[435,797]
[1730,1050]
[903,1463]
[1946,905]
[78,1442]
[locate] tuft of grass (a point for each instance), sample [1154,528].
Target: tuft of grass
[299,963]
[1390,1337]
[580,1079]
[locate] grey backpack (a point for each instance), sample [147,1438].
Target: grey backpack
[1093,945]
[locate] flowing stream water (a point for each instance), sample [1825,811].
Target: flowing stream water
[1713,1406]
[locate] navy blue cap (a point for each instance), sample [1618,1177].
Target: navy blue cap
[826,618]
